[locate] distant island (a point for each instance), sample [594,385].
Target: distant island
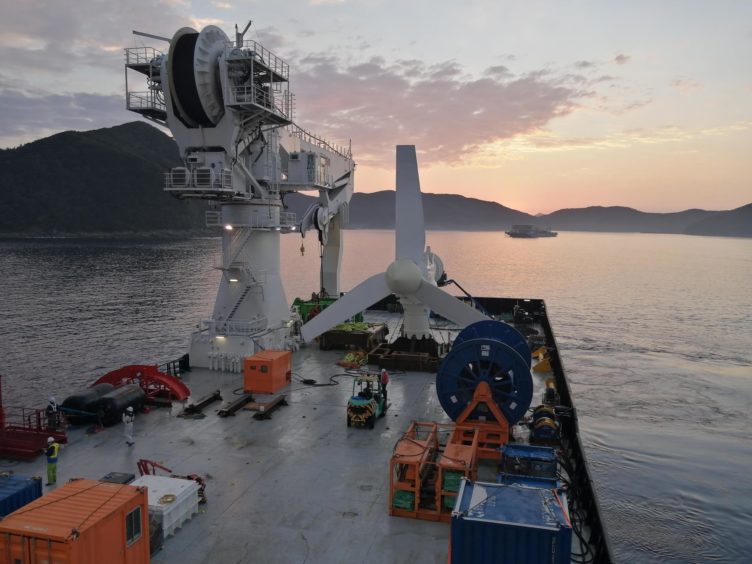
[108,181]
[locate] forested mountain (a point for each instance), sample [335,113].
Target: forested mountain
[110,181]
[106,180]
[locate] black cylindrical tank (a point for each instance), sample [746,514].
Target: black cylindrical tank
[111,406]
[85,401]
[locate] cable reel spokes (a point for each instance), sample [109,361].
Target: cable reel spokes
[486,351]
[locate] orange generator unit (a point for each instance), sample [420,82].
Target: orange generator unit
[82,522]
[267,371]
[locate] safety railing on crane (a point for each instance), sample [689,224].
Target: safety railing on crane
[269,59]
[277,102]
[140,55]
[206,176]
[287,221]
[297,131]
[200,178]
[233,327]
[148,100]
[254,275]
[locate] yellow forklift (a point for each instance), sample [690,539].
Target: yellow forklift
[367,401]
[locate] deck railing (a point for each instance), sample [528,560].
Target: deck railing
[147,100]
[278,102]
[297,131]
[141,55]
[202,178]
[233,327]
[269,59]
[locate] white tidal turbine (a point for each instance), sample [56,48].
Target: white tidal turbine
[413,274]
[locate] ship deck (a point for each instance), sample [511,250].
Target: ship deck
[299,487]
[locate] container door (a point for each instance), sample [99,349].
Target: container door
[20,549]
[49,552]
[15,549]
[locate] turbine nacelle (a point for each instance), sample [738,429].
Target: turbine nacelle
[404,277]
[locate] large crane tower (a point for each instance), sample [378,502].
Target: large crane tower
[230,110]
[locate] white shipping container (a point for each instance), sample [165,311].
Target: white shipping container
[174,499]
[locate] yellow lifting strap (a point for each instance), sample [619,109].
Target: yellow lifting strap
[543,366]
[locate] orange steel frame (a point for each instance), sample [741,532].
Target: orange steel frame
[418,454]
[494,433]
[460,455]
[411,461]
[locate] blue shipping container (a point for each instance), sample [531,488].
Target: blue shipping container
[17,491]
[497,523]
[534,466]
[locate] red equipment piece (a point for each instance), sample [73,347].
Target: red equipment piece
[149,467]
[146,467]
[24,431]
[157,385]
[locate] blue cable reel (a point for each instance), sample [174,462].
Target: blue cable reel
[498,331]
[492,352]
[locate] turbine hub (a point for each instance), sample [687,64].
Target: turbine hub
[403,277]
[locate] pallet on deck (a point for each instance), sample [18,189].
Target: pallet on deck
[264,409]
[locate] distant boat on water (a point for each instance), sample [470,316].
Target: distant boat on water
[529,232]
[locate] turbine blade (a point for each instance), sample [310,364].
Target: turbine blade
[353,302]
[448,306]
[409,225]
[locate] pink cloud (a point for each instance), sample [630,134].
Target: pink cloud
[685,84]
[445,113]
[269,37]
[59,37]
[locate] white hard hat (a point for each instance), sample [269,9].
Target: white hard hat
[52,400]
[50,440]
[129,408]
[383,370]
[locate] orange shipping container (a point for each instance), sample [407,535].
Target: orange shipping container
[267,371]
[82,522]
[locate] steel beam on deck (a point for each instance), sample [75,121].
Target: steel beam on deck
[231,408]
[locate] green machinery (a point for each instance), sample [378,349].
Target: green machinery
[308,309]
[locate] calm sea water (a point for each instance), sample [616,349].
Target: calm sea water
[655,332]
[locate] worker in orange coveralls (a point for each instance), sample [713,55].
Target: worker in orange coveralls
[384,382]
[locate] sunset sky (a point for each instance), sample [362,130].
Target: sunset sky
[538,105]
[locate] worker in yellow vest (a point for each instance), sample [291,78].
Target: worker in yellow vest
[53,449]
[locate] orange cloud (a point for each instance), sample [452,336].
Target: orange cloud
[546,142]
